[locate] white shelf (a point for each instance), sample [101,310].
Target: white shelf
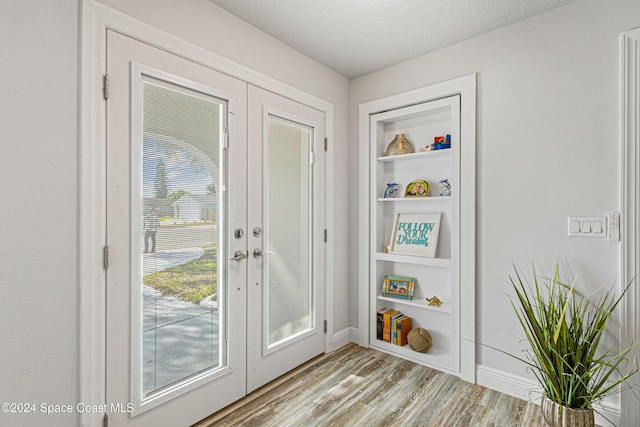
[409,259]
[420,303]
[433,358]
[416,199]
[420,155]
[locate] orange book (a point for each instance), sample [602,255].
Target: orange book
[386,330]
[403,326]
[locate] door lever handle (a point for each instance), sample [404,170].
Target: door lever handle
[257,252]
[239,256]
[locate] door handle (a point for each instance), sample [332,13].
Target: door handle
[239,256]
[257,252]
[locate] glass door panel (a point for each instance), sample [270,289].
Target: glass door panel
[181,238]
[288,236]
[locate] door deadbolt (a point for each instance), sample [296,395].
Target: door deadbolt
[257,231]
[238,233]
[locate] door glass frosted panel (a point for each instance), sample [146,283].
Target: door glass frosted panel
[182,227]
[288,182]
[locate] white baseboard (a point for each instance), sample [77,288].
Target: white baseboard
[504,382]
[344,337]
[607,413]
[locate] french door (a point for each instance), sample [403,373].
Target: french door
[286,213]
[214,285]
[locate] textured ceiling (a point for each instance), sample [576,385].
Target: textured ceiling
[355,37]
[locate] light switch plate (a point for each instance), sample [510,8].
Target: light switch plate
[587,226]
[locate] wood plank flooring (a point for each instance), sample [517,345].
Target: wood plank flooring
[356,386]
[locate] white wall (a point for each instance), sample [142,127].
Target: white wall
[38,209]
[547,147]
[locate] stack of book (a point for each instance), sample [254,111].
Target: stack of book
[392,326]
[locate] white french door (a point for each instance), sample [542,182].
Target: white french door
[215,280]
[286,216]
[176,185]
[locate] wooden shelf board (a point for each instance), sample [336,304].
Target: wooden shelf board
[416,199]
[420,303]
[419,155]
[408,259]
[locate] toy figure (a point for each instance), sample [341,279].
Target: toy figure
[434,300]
[391,190]
[445,187]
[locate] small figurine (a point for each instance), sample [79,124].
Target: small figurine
[417,188]
[439,143]
[445,187]
[434,300]
[392,189]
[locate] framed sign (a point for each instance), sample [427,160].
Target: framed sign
[415,234]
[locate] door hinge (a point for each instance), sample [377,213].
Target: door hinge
[325,235]
[105,257]
[325,326]
[326,144]
[105,421]
[105,86]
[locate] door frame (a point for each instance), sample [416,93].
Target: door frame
[630,209]
[96,18]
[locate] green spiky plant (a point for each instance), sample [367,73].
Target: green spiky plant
[564,332]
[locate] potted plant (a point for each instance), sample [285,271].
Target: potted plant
[564,332]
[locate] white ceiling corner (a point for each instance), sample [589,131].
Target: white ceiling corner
[356,37]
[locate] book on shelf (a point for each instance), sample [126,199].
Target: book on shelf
[392,326]
[386,330]
[380,322]
[403,326]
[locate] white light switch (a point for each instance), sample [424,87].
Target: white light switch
[574,227]
[587,226]
[597,227]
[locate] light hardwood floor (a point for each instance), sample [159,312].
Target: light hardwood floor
[356,386]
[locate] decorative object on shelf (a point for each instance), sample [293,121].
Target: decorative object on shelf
[445,188]
[564,330]
[391,190]
[398,287]
[420,340]
[399,145]
[434,300]
[417,188]
[439,143]
[415,234]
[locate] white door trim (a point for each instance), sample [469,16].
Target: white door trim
[96,19]
[630,215]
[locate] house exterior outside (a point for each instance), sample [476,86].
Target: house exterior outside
[195,207]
